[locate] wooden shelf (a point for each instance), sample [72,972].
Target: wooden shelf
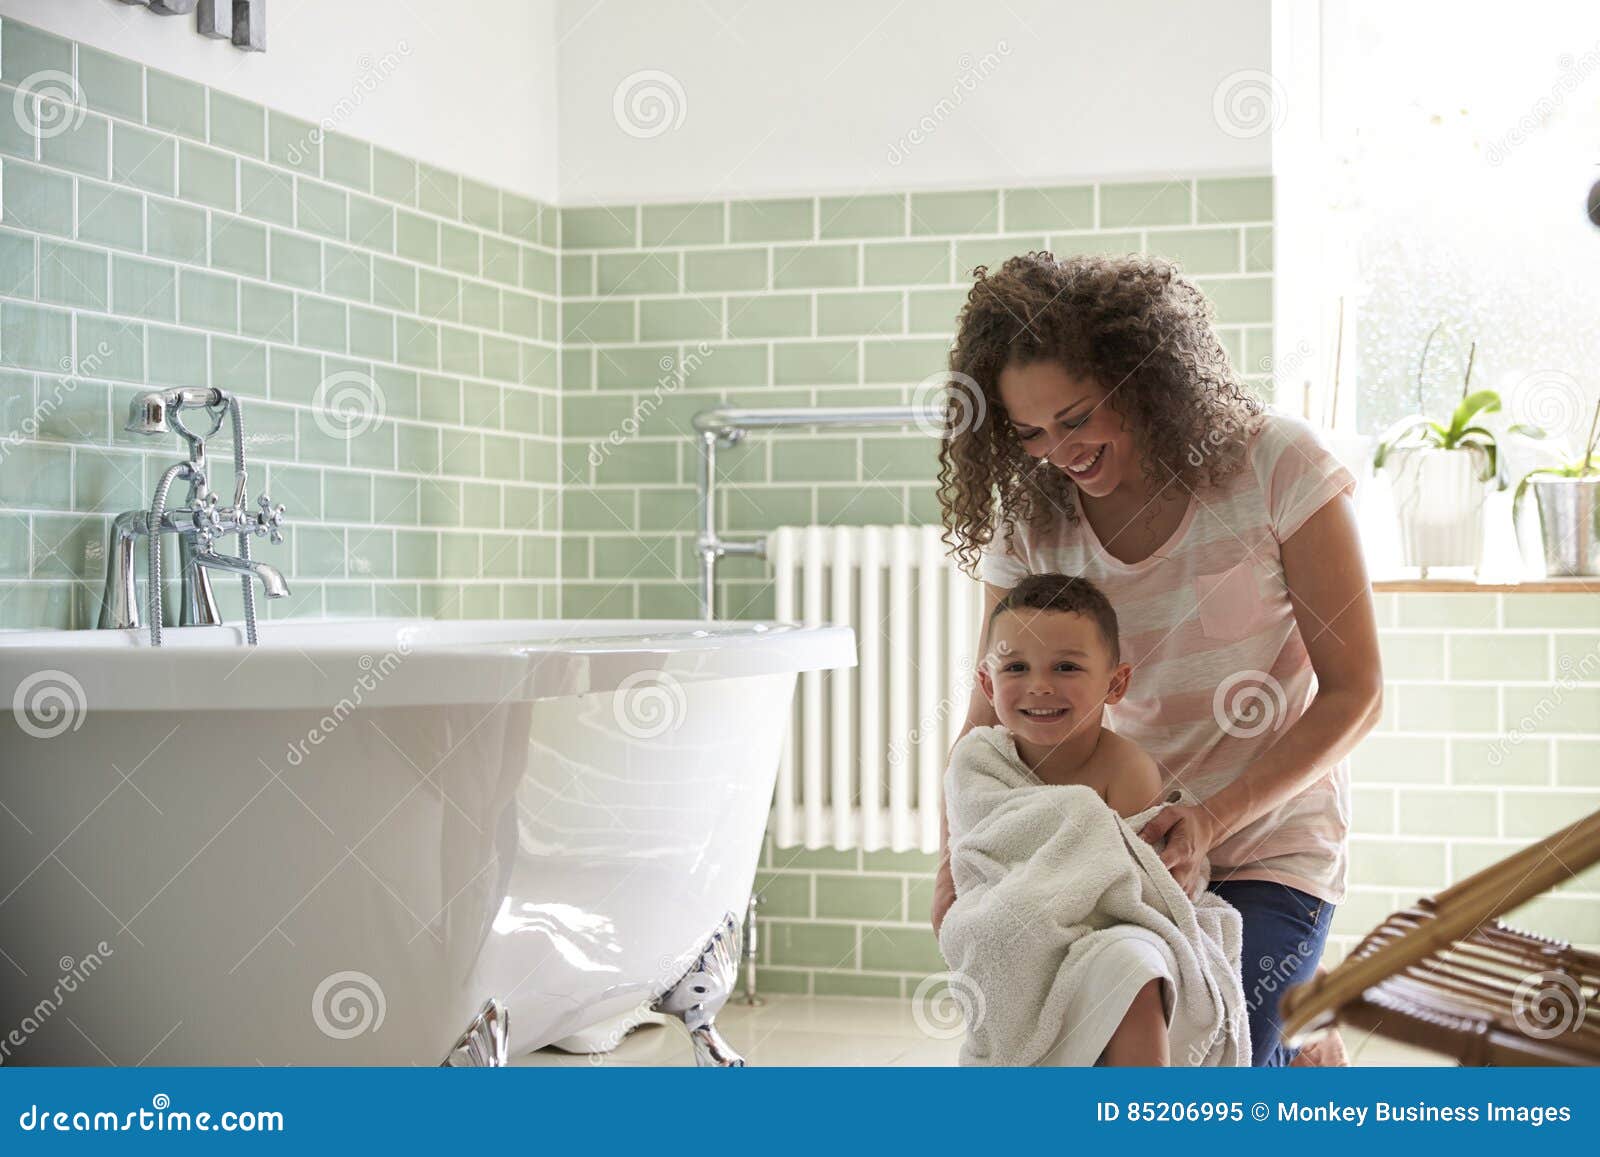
[1412,585]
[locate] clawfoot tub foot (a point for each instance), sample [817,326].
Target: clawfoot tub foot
[484,1044]
[699,996]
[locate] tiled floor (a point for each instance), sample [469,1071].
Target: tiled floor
[848,1030]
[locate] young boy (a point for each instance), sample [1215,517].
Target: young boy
[1051,662]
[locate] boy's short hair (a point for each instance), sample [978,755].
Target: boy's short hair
[1061,592]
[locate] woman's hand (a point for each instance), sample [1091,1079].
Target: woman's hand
[1191,832]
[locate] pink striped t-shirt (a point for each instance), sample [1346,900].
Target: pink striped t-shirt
[1220,671]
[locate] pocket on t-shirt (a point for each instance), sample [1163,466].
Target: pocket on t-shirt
[1230,602]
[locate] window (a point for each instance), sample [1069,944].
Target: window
[1433,167]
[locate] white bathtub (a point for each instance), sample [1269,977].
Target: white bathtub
[337,847]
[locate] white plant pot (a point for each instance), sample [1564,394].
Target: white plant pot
[1438,499]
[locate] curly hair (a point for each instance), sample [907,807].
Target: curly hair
[1130,323]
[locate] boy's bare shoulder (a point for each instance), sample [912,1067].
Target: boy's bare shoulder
[1122,753]
[1133,776]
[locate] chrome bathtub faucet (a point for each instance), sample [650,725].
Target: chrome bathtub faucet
[198,523]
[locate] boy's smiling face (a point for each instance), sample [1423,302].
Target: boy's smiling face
[1048,674]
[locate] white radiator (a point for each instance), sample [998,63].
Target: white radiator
[867,748]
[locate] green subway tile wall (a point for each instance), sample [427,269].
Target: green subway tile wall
[394,329]
[799,301]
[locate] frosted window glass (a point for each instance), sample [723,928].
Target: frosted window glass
[1464,139]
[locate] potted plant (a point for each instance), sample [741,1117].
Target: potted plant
[1569,508]
[1441,473]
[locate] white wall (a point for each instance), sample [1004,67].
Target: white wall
[475,92]
[782,97]
[777,98]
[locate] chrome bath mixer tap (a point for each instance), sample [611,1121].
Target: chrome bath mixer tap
[198,523]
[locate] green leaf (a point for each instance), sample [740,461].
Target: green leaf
[1490,452]
[1413,431]
[1478,402]
[1538,471]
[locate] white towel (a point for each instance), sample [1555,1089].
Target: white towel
[1063,913]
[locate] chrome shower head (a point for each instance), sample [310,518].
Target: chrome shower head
[147,414]
[156,412]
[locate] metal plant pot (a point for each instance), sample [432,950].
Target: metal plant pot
[1569,519]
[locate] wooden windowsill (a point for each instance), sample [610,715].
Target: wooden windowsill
[1413,585]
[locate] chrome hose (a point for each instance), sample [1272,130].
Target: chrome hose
[238,505]
[158,511]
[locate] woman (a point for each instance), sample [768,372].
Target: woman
[1114,440]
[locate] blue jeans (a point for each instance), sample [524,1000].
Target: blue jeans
[1284,933]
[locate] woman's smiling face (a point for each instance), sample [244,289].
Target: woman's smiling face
[1068,421]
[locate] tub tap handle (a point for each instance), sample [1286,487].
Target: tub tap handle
[270,522]
[208,522]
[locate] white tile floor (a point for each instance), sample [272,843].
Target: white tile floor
[850,1030]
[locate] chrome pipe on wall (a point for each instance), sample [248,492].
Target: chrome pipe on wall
[726,426]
